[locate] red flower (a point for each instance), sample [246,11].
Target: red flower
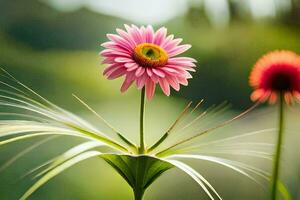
[276,73]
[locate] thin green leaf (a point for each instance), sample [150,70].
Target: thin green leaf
[70,154]
[168,132]
[32,135]
[37,168]
[24,152]
[212,143]
[58,170]
[256,154]
[215,160]
[194,175]
[129,143]
[100,138]
[164,152]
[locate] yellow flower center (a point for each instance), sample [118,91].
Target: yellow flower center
[150,55]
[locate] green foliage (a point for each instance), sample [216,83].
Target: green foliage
[57,170]
[41,27]
[284,191]
[34,116]
[139,171]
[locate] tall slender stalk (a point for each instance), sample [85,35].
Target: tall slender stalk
[276,169]
[142,117]
[139,189]
[138,195]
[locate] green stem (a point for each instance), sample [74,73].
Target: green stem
[141,170]
[278,150]
[138,194]
[142,117]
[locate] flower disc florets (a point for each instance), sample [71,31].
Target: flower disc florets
[150,55]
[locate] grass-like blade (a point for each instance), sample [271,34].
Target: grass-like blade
[54,172]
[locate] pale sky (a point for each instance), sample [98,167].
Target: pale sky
[160,11]
[140,11]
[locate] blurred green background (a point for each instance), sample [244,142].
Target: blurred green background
[53,45]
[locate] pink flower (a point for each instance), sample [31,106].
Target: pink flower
[147,58]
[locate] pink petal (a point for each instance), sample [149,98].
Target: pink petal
[114,46]
[128,29]
[184,74]
[135,34]
[178,50]
[114,53]
[188,75]
[182,59]
[167,41]
[123,60]
[164,86]
[173,82]
[134,67]
[140,81]
[182,64]
[170,70]
[129,65]
[154,78]
[111,68]
[149,72]
[127,82]
[119,40]
[180,68]
[150,89]
[127,37]
[139,72]
[190,69]
[143,34]
[149,34]
[182,81]
[172,44]
[108,44]
[117,73]
[160,36]
[108,61]
[158,72]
